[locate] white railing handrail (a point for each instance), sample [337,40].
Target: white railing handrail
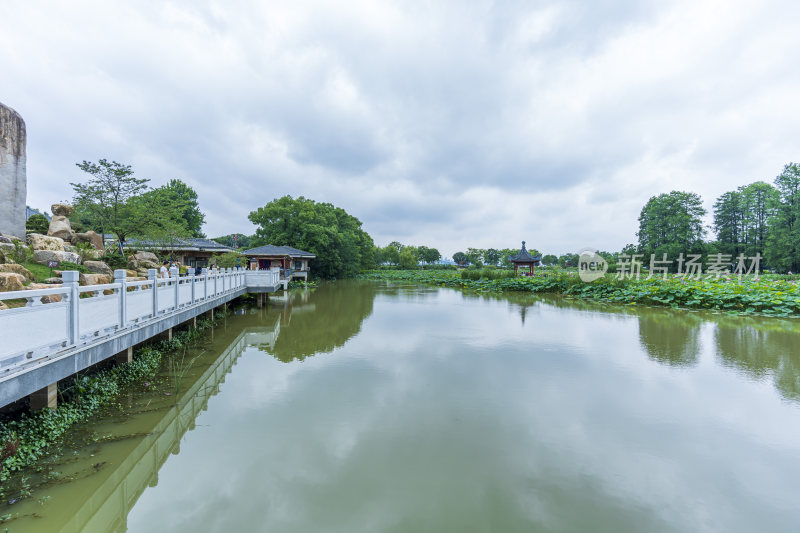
[17,295]
[40,329]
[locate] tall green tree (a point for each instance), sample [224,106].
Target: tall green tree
[431,255]
[729,222]
[475,256]
[460,258]
[181,196]
[761,200]
[329,232]
[783,242]
[741,218]
[104,199]
[671,223]
[235,241]
[408,259]
[391,254]
[549,259]
[491,256]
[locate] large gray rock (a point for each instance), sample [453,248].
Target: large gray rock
[145,256]
[44,256]
[60,227]
[63,210]
[44,242]
[93,238]
[98,267]
[94,279]
[5,250]
[18,269]
[11,281]
[13,182]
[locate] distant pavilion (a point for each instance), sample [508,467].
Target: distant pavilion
[524,259]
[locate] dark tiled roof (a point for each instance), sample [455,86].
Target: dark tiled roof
[195,245]
[208,244]
[269,249]
[524,257]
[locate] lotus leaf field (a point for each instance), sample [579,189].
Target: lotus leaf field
[770,295]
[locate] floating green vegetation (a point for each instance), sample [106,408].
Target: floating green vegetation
[296,284]
[766,295]
[27,437]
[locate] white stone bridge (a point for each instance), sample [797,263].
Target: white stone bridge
[63,330]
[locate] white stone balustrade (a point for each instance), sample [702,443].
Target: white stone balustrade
[64,318]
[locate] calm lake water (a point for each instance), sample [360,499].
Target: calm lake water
[361,407]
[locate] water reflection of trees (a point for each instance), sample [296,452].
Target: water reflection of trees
[322,320]
[670,337]
[762,346]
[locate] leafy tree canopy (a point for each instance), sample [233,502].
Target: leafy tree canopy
[329,232]
[671,223]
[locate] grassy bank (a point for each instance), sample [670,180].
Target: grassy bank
[767,295]
[26,437]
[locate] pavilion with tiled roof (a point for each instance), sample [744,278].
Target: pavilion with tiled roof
[292,262]
[524,259]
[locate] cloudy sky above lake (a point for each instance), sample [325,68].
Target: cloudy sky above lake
[447,123]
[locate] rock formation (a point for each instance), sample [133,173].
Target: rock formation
[45,256]
[13,183]
[93,238]
[59,224]
[44,242]
[98,267]
[18,269]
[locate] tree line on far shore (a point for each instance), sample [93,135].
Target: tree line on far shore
[759,218]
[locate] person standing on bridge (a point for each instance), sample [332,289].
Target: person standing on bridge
[164,271]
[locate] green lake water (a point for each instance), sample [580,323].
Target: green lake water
[364,407]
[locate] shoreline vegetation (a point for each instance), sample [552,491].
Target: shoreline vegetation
[28,437]
[768,295]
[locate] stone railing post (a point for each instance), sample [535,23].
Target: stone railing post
[119,277]
[174,275]
[194,277]
[205,283]
[70,279]
[152,275]
[216,275]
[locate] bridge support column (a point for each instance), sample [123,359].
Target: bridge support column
[46,398]
[168,334]
[125,356]
[194,323]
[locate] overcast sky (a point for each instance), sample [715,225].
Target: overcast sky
[449,123]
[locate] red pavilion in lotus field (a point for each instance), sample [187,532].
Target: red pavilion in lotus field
[524,259]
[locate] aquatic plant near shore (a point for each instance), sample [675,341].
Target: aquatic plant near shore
[28,437]
[766,295]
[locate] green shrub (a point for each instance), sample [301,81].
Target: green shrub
[67,265]
[37,223]
[85,251]
[22,253]
[115,260]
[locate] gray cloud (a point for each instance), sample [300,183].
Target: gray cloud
[444,124]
